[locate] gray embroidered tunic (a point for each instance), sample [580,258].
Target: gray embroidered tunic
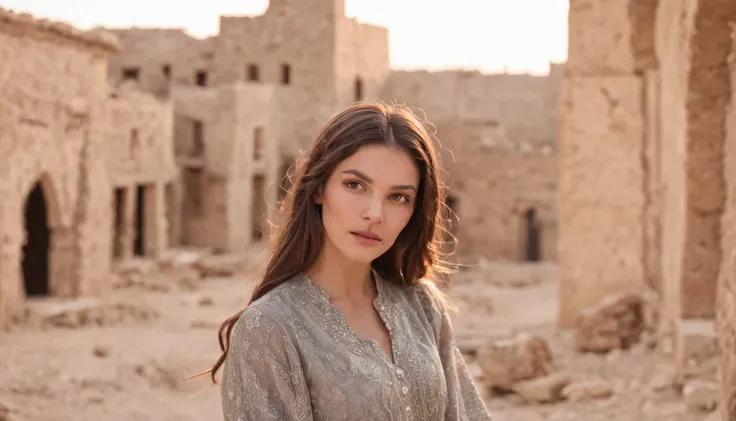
[293,357]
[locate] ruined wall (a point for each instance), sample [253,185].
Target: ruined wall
[525,105]
[604,181]
[140,159]
[216,187]
[361,60]
[52,133]
[160,57]
[492,187]
[693,44]
[299,41]
[140,138]
[726,296]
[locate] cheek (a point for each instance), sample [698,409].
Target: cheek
[337,205]
[398,218]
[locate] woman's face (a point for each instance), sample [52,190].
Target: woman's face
[368,200]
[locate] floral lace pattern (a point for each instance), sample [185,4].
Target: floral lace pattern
[293,357]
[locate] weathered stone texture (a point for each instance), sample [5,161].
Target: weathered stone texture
[726,297]
[463,95]
[601,199]
[680,175]
[225,184]
[60,137]
[140,162]
[493,189]
[51,94]
[160,58]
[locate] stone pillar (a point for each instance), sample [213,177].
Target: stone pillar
[63,262]
[602,195]
[11,282]
[726,296]
[155,223]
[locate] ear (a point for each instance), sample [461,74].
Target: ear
[319,195]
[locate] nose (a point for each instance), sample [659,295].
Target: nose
[374,211]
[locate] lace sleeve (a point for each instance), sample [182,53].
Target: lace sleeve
[262,375]
[464,401]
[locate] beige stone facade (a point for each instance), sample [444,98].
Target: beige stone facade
[646,178]
[498,140]
[60,171]
[228,151]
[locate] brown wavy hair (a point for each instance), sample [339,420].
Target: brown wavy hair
[414,257]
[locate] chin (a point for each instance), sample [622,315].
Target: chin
[359,256]
[362,254]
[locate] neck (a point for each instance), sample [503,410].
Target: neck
[341,278]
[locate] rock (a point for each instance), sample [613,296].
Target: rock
[701,395]
[661,382]
[206,301]
[179,258]
[100,351]
[505,362]
[585,390]
[616,323]
[204,324]
[695,349]
[544,389]
[8,413]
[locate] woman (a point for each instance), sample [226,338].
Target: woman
[346,323]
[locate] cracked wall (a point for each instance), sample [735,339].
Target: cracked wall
[140,162]
[726,290]
[693,44]
[605,200]
[53,87]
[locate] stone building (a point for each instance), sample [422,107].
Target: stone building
[300,62]
[142,172]
[60,163]
[498,138]
[646,189]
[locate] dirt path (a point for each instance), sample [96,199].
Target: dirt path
[137,370]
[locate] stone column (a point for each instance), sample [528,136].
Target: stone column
[602,196]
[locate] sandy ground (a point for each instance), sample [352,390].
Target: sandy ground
[138,368]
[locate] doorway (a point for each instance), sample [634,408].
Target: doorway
[35,263]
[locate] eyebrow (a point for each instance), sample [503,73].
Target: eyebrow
[369,180]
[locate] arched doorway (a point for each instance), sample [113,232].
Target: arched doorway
[532,251]
[35,257]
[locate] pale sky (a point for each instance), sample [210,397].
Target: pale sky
[524,35]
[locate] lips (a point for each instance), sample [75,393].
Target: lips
[367,235]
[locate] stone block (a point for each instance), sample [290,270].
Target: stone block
[600,195]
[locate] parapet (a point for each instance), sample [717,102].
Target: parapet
[98,39]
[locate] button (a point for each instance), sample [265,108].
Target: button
[400,372]
[408,409]
[405,390]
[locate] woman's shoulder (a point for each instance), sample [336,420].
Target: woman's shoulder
[274,308]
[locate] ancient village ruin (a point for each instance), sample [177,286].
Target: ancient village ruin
[124,143]
[186,142]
